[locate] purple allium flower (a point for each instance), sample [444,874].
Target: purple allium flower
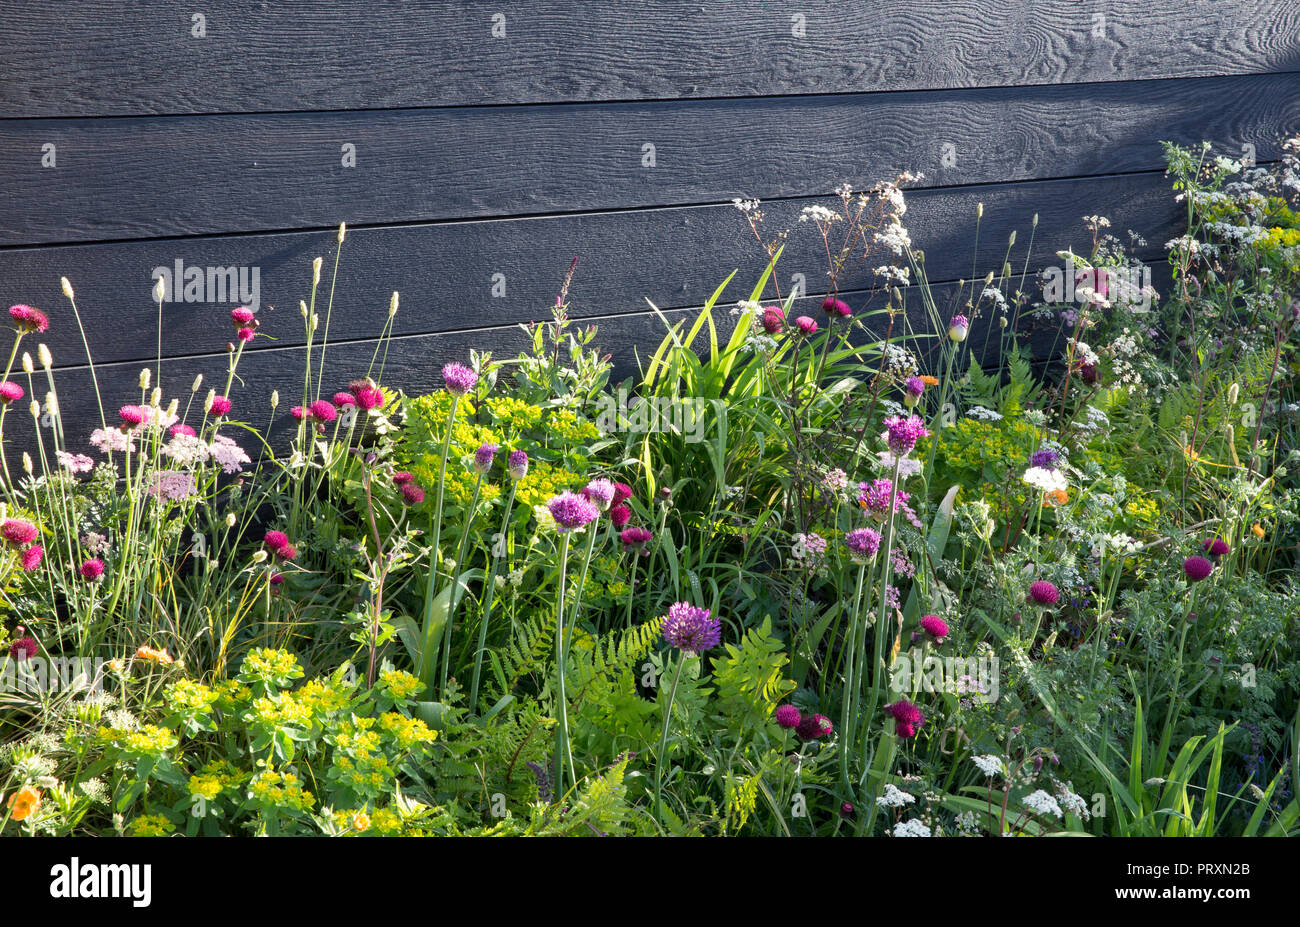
[788,716]
[773,320]
[874,497]
[601,492]
[958,328]
[483,458]
[914,387]
[863,544]
[691,628]
[908,717]
[517,465]
[1197,568]
[836,307]
[459,379]
[572,511]
[635,539]
[1215,547]
[935,626]
[1045,459]
[1041,592]
[903,433]
[806,325]
[814,727]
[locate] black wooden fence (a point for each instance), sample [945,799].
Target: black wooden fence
[475,148]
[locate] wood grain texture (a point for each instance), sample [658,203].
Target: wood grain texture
[141,177]
[105,57]
[447,273]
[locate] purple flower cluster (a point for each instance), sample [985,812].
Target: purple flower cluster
[1045,459]
[863,544]
[691,628]
[459,379]
[483,458]
[572,511]
[903,433]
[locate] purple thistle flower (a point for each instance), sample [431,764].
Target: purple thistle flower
[1215,547]
[914,386]
[863,544]
[691,628]
[459,379]
[935,626]
[483,458]
[806,325]
[814,727]
[833,307]
[1197,568]
[572,511]
[788,717]
[903,433]
[1041,592]
[517,465]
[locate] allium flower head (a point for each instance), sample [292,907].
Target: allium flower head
[635,539]
[788,717]
[913,388]
[1045,459]
[28,318]
[814,727]
[572,511]
[1197,568]
[903,433]
[958,328]
[863,543]
[18,532]
[517,465]
[10,392]
[691,628]
[601,492]
[875,496]
[1041,592]
[459,379]
[484,456]
[773,320]
[806,325]
[935,627]
[92,569]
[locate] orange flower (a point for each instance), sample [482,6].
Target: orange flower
[1259,530]
[1056,497]
[155,656]
[25,802]
[929,380]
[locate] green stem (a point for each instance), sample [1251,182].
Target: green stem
[491,601]
[663,741]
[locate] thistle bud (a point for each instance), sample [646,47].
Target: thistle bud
[231,520]
[259,556]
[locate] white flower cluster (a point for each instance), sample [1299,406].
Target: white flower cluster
[989,764]
[1045,480]
[983,414]
[1041,802]
[895,797]
[819,214]
[912,828]
[895,238]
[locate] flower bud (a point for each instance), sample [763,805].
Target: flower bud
[275,398]
[392,305]
[198,381]
[145,378]
[343,231]
[159,290]
[43,355]
[67,287]
[315,271]
[28,366]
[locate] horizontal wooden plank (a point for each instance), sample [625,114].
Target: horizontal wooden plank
[103,57]
[467,275]
[142,177]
